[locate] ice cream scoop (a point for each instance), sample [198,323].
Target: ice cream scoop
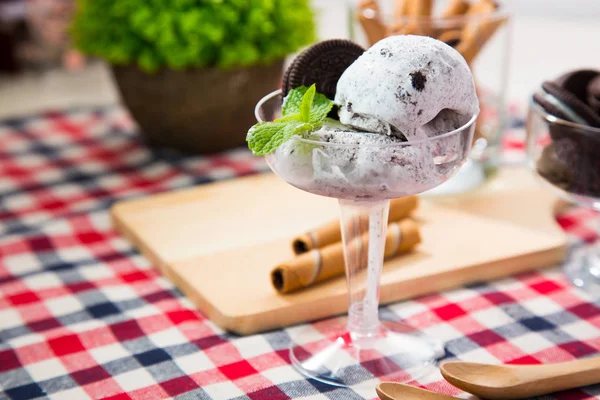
[403,83]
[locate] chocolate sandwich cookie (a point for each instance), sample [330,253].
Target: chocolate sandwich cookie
[565,105]
[553,107]
[572,102]
[322,65]
[593,94]
[577,82]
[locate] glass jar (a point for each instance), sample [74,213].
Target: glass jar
[480,31]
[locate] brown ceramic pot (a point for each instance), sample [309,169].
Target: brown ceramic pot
[202,111]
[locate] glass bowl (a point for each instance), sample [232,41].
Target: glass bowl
[566,158]
[363,171]
[353,168]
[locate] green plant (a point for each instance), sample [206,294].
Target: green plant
[183,34]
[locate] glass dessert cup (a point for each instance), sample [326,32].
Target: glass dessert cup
[566,157]
[363,177]
[484,40]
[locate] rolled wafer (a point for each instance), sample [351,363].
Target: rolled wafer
[449,29]
[394,29]
[325,263]
[401,12]
[369,16]
[477,32]
[451,38]
[421,8]
[402,8]
[456,8]
[419,24]
[331,232]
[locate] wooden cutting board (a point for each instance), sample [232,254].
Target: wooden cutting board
[219,242]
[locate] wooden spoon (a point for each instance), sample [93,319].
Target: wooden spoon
[520,381]
[398,391]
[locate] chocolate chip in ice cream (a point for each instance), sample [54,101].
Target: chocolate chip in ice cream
[418,80]
[322,65]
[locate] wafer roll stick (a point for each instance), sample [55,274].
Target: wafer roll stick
[369,16]
[331,232]
[321,264]
[402,8]
[456,8]
[401,12]
[421,8]
[480,30]
[451,38]
[396,28]
[419,24]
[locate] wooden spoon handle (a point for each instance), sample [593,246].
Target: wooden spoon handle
[574,373]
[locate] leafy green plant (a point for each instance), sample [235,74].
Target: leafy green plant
[182,34]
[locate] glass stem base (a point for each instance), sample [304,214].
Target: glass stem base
[583,269]
[394,352]
[361,347]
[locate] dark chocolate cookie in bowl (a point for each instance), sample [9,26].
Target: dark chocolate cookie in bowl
[563,145]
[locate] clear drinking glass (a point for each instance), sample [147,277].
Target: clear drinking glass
[363,178]
[566,158]
[483,39]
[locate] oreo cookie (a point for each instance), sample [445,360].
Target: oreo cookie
[593,94]
[573,103]
[577,82]
[322,65]
[554,107]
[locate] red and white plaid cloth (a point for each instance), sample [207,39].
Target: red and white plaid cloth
[83,315]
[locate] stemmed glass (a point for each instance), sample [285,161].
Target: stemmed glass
[566,158]
[363,178]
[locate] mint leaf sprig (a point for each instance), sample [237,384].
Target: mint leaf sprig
[304,111]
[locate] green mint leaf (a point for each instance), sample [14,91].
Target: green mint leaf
[304,111]
[321,105]
[263,138]
[291,103]
[290,117]
[307,102]
[320,108]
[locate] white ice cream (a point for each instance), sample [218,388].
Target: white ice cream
[404,87]
[402,83]
[364,165]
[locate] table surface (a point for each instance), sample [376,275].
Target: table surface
[83,315]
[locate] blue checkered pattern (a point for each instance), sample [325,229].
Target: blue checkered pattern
[83,315]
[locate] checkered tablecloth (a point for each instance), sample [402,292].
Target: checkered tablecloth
[83,315]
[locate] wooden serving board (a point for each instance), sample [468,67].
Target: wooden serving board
[219,242]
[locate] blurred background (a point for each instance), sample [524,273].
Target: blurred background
[40,71]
